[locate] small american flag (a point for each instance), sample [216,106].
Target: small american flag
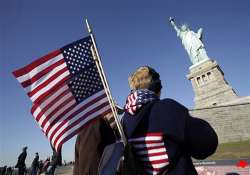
[66,91]
[152,152]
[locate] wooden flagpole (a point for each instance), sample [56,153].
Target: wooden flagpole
[98,62]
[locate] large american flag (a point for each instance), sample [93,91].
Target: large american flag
[66,91]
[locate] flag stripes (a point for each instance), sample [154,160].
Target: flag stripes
[151,151]
[131,104]
[75,112]
[61,68]
[78,112]
[30,70]
[91,115]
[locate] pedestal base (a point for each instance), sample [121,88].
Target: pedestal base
[209,85]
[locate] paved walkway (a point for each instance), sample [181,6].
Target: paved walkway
[64,170]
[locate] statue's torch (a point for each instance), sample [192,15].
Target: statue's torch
[171,20]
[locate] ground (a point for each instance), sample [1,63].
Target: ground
[232,150]
[64,170]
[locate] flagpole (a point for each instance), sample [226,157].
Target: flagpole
[98,62]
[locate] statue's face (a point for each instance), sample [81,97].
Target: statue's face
[184,28]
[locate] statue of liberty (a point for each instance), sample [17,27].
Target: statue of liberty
[192,42]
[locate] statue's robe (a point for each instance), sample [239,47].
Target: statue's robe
[192,44]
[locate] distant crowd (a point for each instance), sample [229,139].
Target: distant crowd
[38,167]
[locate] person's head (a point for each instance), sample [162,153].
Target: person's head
[37,154]
[145,77]
[184,27]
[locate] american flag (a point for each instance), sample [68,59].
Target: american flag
[152,152]
[66,91]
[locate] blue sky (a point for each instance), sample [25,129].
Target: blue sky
[129,34]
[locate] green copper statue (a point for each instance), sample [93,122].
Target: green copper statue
[192,42]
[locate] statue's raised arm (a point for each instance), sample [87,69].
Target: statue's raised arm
[191,41]
[171,20]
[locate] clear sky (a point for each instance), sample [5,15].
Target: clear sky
[129,34]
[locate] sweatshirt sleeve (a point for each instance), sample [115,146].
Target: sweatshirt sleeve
[200,138]
[107,133]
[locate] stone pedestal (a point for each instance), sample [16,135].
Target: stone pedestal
[209,85]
